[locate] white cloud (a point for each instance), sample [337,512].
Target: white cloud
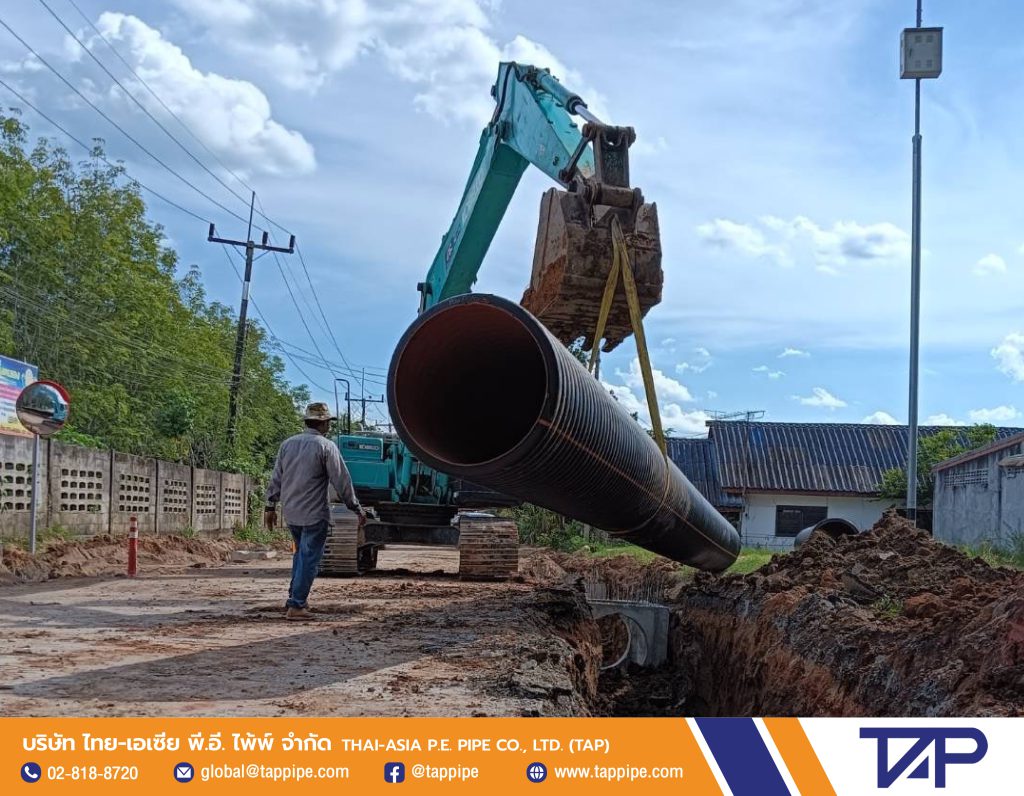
[881,418]
[666,388]
[830,248]
[702,363]
[774,375]
[998,414]
[644,147]
[1009,355]
[670,394]
[990,264]
[793,352]
[232,117]
[712,395]
[942,419]
[443,47]
[26,65]
[821,397]
[728,235]
[668,342]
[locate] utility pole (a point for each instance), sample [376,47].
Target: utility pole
[243,311]
[363,400]
[920,58]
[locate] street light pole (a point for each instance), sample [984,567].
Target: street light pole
[921,57]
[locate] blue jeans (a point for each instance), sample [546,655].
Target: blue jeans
[309,549]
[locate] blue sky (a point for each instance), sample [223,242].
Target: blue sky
[773,134]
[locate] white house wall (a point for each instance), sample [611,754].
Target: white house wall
[757,522]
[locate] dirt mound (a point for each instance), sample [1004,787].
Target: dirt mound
[889,622]
[622,577]
[108,555]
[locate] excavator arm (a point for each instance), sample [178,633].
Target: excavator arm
[533,124]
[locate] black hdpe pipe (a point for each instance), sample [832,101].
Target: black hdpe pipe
[834,527]
[479,388]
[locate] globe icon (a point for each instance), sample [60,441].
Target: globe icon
[536,772]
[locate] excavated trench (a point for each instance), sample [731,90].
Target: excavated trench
[886,623]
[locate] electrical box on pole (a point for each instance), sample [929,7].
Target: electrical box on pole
[920,53]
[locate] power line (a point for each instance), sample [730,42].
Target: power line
[92,151]
[126,134]
[134,99]
[156,96]
[287,349]
[266,323]
[201,371]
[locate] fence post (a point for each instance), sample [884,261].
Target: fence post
[220,502]
[111,493]
[192,497]
[157,493]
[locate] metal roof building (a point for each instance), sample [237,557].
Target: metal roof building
[774,479]
[811,458]
[696,458]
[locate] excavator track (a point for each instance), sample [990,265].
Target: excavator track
[488,548]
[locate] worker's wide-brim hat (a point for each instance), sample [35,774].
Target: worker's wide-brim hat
[318,411]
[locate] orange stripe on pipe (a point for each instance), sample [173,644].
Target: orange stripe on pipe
[800,757]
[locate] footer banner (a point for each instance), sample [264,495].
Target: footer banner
[740,756]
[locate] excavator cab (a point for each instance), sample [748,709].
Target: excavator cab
[573,252]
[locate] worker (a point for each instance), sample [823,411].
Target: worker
[306,464]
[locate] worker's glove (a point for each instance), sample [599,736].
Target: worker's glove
[270,518]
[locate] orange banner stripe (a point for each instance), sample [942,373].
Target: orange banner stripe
[801,759]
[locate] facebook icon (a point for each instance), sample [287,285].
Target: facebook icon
[394,773]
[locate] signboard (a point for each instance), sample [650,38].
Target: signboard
[15,376]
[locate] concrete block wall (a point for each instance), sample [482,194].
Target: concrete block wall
[174,497]
[90,491]
[16,482]
[206,500]
[233,500]
[133,490]
[79,488]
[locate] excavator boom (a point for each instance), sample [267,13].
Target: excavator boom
[533,124]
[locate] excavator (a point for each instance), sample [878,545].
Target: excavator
[536,122]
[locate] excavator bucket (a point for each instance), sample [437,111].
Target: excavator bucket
[573,257]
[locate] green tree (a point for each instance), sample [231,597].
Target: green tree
[91,292]
[931,450]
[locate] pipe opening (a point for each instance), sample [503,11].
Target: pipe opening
[467,397]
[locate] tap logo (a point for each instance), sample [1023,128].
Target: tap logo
[924,737]
[394,773]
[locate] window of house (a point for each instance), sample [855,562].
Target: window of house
[790,520]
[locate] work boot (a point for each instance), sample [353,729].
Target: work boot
[299,613]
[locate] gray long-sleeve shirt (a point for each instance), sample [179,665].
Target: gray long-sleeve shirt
[306,464]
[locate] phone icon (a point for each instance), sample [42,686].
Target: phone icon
[31,772]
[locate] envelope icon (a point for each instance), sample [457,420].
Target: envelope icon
[183,772]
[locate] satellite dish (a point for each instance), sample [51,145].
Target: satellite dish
[43,408]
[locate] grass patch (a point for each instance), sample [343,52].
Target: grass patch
[609,550]
[44,536]
[1012,555]
[257,534]
[750,560]
[887,607]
